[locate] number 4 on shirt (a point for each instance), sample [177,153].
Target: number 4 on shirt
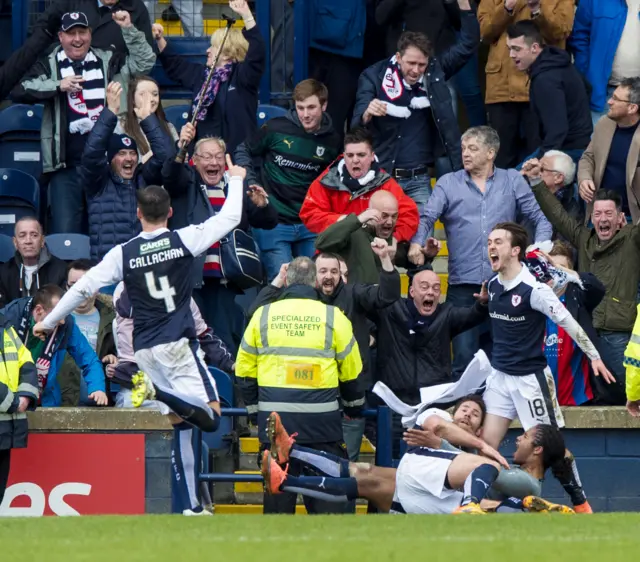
[166,292]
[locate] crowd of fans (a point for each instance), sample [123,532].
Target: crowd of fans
[553,146]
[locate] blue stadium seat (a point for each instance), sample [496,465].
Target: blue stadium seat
[225,386]
[191,49]
[266,112]
[69,247]
[19,197]
[221,438]
[177,115]
[20,138]
[7,249]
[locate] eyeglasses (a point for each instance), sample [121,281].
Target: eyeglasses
[543,170]
[207,157]
[616,98]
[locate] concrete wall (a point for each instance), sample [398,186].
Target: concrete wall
[606,445]
[605,442]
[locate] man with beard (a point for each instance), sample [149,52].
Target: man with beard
[611,251]
[355,301]
[438,474]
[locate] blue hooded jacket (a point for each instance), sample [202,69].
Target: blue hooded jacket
[68,339]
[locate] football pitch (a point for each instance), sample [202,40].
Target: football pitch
[239,538]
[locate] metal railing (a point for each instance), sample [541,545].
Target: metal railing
[383,455]
[286,31]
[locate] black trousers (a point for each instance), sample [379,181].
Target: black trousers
[340,75]
[285,503]
[5,463]
[518,129]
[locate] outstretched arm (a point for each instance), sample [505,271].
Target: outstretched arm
[461,438]
[544,300]
[107,272]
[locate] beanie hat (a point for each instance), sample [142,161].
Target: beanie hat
[118,143]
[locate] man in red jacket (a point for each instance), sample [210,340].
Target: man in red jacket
[348,184]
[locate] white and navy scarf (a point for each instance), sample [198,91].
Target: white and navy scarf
[87,104]
[354,184]
[399,96]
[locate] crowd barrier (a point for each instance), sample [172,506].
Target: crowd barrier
[383,454]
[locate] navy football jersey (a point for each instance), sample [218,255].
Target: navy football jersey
[156,267]
[158,281]
[518,310]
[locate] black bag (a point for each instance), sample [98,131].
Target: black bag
[239,260]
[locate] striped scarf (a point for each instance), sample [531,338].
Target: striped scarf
[216,196]
[87,104]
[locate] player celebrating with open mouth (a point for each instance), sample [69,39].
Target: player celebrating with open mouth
[521,383]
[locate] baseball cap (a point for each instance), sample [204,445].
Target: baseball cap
[73,19]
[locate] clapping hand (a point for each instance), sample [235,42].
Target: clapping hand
[114,91]
[258,196]
[144,110]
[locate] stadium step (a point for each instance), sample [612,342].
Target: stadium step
[250,493]
[256,509]
[251,445]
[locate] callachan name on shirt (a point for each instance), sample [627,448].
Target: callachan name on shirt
[507,317]
[158,257]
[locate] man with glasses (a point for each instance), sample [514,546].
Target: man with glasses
[611,159]
[197,193]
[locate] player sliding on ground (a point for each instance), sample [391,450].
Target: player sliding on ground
[434,476]
[521,383]
[155,267]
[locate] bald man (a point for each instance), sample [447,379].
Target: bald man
[351,239]
[414,338]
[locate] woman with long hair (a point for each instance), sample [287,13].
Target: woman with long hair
[139,88]
[230,101]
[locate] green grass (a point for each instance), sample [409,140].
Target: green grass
[240,538]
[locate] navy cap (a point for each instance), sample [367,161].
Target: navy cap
[73,19]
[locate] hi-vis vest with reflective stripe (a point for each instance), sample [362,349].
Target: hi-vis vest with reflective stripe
[304,349]
[632,362]
[10,360]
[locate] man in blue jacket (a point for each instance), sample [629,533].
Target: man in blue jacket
[111,172]
[406,103]
[604,42]
[49,355]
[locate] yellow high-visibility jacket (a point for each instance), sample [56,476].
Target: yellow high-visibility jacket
[632,362]
[18,377]
[296,356]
